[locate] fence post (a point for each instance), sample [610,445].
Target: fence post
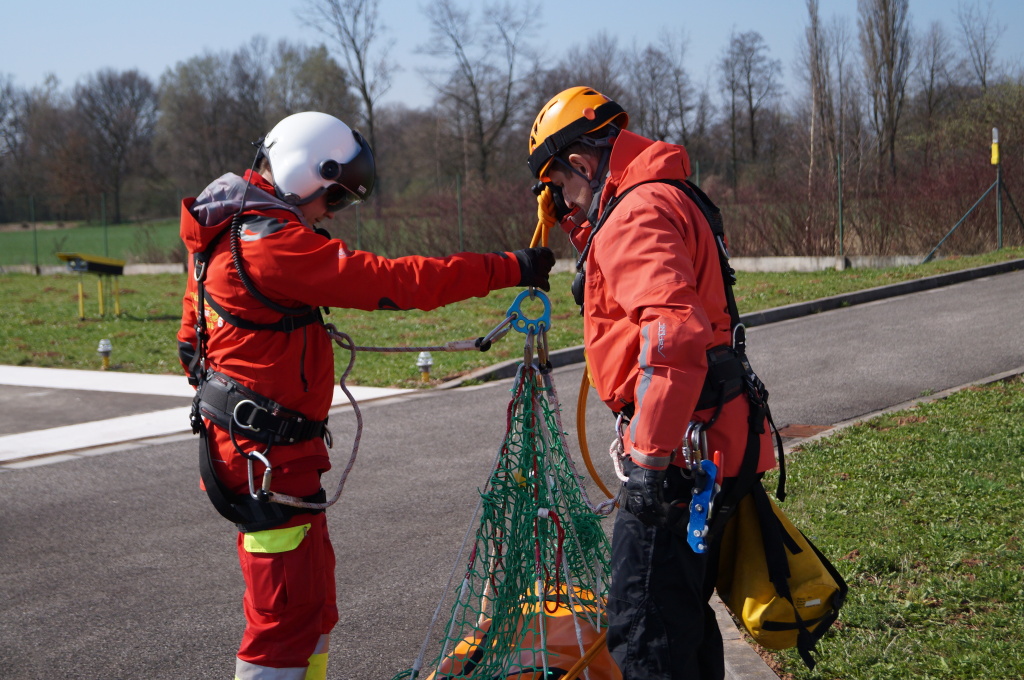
[458,201]
[103,218]
[839,172]
[35,233]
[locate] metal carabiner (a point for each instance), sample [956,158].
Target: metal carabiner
[695,444]
[528,349]
[543,356]
[244,426]
[264,493]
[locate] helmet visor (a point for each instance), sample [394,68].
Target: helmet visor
[339,197]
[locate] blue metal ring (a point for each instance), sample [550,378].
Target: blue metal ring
[525,324]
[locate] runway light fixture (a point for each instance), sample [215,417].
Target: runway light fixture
[423,362]
[104,349]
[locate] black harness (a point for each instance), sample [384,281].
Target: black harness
[234,407]
[729,372]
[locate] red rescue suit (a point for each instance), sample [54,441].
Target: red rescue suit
[290,602]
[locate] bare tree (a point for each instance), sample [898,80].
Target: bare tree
[651,110]
[980,33]
[685,111]
[307,79]
[484,83]
[118,111]
[886,50]
[596,64]
[816,63]
[751,80]
[356,31]
[199,133]
[732,83]
[933,78]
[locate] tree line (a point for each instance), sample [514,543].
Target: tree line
[889,120]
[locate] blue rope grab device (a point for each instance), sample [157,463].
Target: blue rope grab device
[525,324]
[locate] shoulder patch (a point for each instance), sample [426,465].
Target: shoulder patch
[255,227]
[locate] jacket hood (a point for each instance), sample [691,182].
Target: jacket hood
[205,216]
[636,159]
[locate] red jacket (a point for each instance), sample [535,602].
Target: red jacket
[293,265]
[654,304]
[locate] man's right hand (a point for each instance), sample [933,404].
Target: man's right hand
[645,495]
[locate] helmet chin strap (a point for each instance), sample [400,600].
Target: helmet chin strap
[596,183]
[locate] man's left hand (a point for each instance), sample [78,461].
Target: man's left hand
[645,495]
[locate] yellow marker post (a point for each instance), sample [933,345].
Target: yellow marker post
[97,264]
[999,188]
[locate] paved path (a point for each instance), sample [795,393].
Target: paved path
[115,566]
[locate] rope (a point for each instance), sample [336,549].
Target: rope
[581,431]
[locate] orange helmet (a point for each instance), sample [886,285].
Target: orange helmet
[568,116]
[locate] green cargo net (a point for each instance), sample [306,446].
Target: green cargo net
[531,604]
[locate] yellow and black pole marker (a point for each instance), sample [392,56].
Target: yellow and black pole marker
[999,188]
[96,264]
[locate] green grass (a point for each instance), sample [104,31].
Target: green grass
[922,512]
[148,242]
[41,326]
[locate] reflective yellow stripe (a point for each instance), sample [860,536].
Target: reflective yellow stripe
[317,667]
[275,540]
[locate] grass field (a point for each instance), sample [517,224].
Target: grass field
[922,513]
[149,242]
[41,326]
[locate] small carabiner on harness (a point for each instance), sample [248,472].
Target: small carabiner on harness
[695,444]
[264,494]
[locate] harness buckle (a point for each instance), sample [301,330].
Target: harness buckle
[199,268]
[247,425]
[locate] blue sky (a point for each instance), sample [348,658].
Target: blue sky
[76,39]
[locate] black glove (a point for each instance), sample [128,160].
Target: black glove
[534,266]
[561,209]
[645,495]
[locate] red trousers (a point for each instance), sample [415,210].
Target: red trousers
[290,601]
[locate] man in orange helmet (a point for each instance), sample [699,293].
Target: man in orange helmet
[656,315]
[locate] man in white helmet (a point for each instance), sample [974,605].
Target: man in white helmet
[263,363]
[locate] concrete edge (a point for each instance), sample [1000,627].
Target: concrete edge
[878,293]
[742,662]
[794,445]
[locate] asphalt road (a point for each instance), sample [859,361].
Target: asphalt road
[116,566]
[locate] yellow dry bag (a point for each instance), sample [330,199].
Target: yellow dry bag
[786,593]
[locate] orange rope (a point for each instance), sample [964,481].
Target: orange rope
[585,660]
[581,430]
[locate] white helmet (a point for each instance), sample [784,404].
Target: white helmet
[313,153]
